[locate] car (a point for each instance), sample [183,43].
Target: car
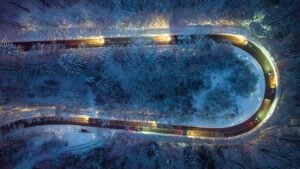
[84,130]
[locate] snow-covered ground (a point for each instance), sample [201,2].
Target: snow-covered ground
[50,142]
[65,95]
[273,23]
[247,105]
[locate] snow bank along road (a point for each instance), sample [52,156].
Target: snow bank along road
[262,114]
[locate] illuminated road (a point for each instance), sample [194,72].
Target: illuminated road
[262,114]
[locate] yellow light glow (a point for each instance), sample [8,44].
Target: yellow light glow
[159,22]
[27,109]
[191,133]
[272,81]
[82,118]
[267,102]
[153,124]
[96,41]
[163,39]
[241,40]
[33,108]
[236,39]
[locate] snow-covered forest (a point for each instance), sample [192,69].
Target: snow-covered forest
[72,81]
[198,83]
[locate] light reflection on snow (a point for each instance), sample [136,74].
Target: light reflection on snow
[211,22]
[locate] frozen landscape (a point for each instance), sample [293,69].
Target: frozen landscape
[200,83]
[188,84]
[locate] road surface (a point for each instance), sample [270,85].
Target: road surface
[262,114]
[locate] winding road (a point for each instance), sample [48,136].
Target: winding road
[262,114]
